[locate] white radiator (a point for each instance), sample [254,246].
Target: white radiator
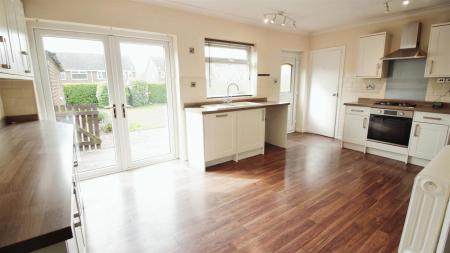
[428,219]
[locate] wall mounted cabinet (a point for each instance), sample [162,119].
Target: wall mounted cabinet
[372,48]
[438,59]
[15,61]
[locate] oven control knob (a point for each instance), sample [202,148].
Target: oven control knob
[401,113]
[380,111]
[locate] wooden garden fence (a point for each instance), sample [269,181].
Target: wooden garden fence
[86,121]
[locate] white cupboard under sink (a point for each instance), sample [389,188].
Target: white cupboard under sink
[223,136]
[219,135]
[438,59]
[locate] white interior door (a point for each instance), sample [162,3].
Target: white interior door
[289,85]
[326,74]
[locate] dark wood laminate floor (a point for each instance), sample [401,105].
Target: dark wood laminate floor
[312,197]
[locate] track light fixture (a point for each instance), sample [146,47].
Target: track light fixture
[279,18]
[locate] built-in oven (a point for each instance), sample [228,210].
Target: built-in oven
[390,126]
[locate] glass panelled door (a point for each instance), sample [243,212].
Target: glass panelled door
[116,91]
[147,110]
[80,93]
[288,81]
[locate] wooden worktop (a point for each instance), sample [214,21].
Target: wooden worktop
[35,185]
[421,106]
[258,104]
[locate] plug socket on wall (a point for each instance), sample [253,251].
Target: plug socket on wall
[440,80]
[193,84]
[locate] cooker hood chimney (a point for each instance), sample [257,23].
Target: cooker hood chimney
[409,45]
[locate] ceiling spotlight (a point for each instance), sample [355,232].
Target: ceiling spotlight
[272,21]
[279,18]
[284,21]
[405,2]
[387,8]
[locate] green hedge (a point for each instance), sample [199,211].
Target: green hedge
[139,93]
[84,93]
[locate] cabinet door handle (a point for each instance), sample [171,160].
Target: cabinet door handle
[26,61]
[5,64]
[263,115]
[416,130]
[114,111]
[353,110]
[433,118]
[221,115]
[378,68]
[123,111]
[365,123]
[431,67]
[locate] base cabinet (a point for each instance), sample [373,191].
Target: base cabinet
[356,124]
[427,140]
[219,137]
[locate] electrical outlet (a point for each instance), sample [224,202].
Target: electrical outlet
[193,84]
[447,80]
[192,50]
[440,80]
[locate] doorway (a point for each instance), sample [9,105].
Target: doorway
[326,78]
[289,80]
[117,91]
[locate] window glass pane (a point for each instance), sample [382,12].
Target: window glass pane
[79,76]
[286,78]
[222,74]
[226,52]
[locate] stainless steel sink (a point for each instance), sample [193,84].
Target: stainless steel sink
[231,105]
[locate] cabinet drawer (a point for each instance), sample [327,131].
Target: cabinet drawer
[359,110]
[434,118]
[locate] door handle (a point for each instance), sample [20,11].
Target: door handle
[114,111]
[431,67]
[263,115]
[123,111]
[416,130]
[334,94]
[221,115]
[365,123]
[433,118]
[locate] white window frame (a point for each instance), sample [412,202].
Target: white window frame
[101,74]
[251,61]
[79,72]
[62,75]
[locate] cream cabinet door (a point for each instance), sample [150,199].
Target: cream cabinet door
[219,135]
[355,128]
[250,129]
[371,49]
[6,52]
[427,140]
[438,59]
[22,50]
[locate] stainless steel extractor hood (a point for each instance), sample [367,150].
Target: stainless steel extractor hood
[409,45]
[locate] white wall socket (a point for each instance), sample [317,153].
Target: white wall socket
[440,80]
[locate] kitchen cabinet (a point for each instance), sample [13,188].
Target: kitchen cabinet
[214,138]
[355,126]
[372,48]
[429,134]
[250,129]
[15,62]
[220,135]
[438,58]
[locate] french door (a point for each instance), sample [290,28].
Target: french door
[117,92]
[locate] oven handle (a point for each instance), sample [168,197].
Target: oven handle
[416,130]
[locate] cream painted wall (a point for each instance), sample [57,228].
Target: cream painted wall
[17,98]
[355,87]
[189,29]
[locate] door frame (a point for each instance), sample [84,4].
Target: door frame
[103,33]
[296,78]
[340,87]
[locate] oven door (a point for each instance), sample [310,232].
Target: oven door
[389,129]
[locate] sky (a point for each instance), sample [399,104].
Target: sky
[139,53]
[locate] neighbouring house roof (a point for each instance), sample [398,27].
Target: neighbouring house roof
[89,62]
[52,57]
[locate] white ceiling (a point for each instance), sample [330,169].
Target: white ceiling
[311,15]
